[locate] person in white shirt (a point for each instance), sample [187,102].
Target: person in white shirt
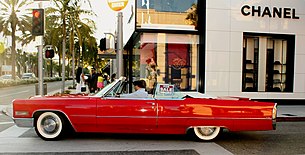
[140,91]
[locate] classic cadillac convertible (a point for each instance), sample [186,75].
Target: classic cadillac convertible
[167,111]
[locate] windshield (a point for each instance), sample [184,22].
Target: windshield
[167,91]
[111,89]
[162,91]
[105,89]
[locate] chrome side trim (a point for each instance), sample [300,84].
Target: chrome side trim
[24,122]
[206,118]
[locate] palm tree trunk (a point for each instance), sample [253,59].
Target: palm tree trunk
[73,56]
[13,51]
[63,52]
[59,63]
[80,46]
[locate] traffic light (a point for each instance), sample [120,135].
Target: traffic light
[103,44]
[49,53]
[38,22]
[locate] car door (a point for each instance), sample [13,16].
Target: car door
[126,115]
[173,115]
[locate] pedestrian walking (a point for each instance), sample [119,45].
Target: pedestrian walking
[93,81]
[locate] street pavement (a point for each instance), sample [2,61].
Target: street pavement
[288,113]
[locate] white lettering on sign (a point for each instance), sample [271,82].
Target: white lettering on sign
[166,89]
[113,1]
[119,4]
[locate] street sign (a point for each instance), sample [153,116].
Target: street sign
[117,5]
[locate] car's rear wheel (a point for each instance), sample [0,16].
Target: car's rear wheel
[49,126]
[206,133]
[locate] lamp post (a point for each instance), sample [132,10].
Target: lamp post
[119,5]
[119,54]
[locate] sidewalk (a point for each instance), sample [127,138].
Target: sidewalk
[288,113]
[8,109]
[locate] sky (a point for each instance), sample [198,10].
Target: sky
[106,18]
[105,21]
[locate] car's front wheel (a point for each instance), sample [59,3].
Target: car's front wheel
[49,126]
[206,133]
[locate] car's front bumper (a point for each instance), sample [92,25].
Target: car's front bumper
[24,122]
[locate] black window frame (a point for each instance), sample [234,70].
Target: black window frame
[290,60]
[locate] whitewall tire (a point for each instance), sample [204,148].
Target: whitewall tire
[206,133]
[49,126]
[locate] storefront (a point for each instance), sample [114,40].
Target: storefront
[252,48]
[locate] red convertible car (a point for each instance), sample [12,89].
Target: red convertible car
[167,111]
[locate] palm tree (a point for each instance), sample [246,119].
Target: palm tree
[68,12]
[90,50]
[192,16]
[14,17]
[53,35]
[80,26]
[62,6]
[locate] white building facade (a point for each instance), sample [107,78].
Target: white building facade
[249,48]
[255,49]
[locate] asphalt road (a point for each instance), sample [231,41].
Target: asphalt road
[25,91]
[287,139]
[8,94]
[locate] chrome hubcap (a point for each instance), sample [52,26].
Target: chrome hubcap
[206,131]
[49,125]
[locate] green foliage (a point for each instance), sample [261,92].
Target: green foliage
[68,12]
[15,17]
[61,19]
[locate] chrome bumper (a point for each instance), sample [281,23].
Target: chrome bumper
[24,122]
[274,116]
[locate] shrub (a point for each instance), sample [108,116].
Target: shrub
[10,82]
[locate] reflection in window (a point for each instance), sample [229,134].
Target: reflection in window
[166,58]
[167,14]
[268,62]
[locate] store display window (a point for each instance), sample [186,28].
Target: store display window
[166,58]
[268,62]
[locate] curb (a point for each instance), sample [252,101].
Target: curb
[290,119]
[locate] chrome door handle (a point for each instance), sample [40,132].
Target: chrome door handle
[152,103]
